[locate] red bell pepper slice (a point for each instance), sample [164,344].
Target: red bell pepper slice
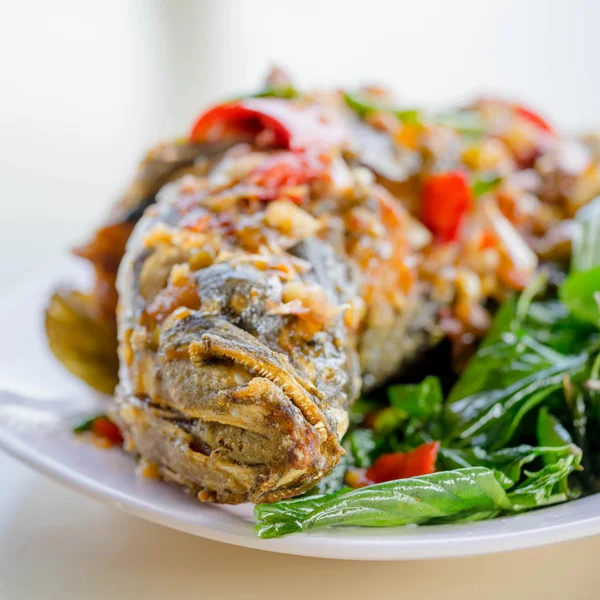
[534,118]
[287,170]
[290,125]
[104,427]
[401,465]
[525,113]
[446,199]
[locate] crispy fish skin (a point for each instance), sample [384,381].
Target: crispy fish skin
[242,324]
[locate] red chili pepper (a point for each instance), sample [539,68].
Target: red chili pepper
[534,118]
[284,124]
[523,112]
[446,199]
[287,170]
[401,465]
[104,427]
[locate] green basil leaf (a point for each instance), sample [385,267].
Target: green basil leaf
[586,245]
[362,407]
[491,417]
[388,420]
[362,107]
[467,122]
[551,323]
[508,461]
[539,487]
[580,292]
[485,183]
[364,446]
[550,431]
[287,92]
[87,424]
[414,500]
[422,400]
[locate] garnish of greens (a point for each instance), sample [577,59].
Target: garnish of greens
[466,122]
[519,429]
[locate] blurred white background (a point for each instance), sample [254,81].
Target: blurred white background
[86,87]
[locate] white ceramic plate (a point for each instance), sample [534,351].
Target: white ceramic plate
[40,403]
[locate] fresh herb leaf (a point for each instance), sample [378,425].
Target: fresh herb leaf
[88,424]
[286,516]
[551,324]
[388,420]
[464,121]
[415,500]
[286,92]
[511,373]
[362,107]
[422,400]
[408,116]
[508,461]
[462,495]
[362,407]
[550,431]
[580,292]
[586,245]
[485,183]
[491,417]
[364,445]
[539,487]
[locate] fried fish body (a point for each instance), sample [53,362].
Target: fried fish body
[243,323]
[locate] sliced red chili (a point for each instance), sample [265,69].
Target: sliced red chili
[446,200]
[280,123]
[104,427]
[401,465]
[533,118]
[287,170]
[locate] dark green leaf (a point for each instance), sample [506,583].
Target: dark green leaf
[551,324]
[503,357]
[511,373]
[490,418]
